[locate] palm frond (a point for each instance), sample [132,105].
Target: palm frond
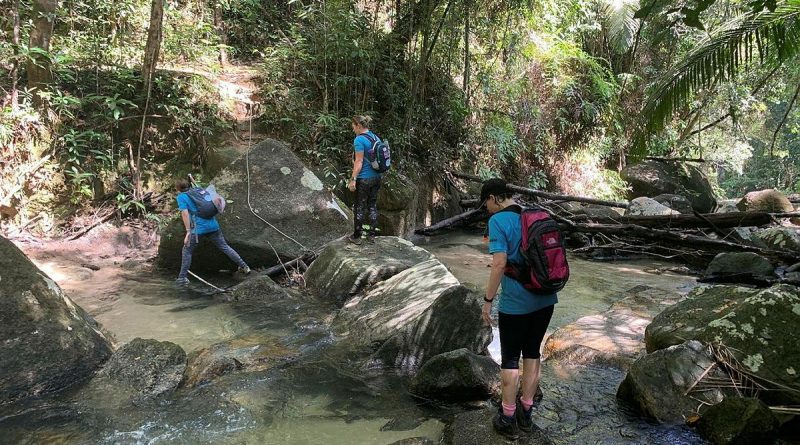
[768,37]
[620,23]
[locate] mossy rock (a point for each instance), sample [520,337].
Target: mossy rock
[782,238]
[653,178]
[736,421]
[758,325]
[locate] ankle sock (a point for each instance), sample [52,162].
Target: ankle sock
[526,404]
[508,410]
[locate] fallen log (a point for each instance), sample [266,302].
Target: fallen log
[685,221]
[455,221]
[470,203]
[547,195]
[663,159]
[300,262]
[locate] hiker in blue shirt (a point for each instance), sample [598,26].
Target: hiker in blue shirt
[197,228]
[365,181]
[523,317]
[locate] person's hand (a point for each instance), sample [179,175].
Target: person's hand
[486,314]
[186,238]
[352,185]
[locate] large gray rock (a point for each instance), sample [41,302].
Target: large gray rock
[769,200]
[344,269]
[475,428]
[740,263]
[377,314]
[644,206]
[457,376]
[758,326]
[47,342]
[612,338]
[736,421]
[408,202]
[452,322]
[150,368]
[653,178]
[657,384]
[251,353]
[782,238]
[282,191]
[675,202]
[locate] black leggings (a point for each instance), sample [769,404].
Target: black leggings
[366,206]
[522,333]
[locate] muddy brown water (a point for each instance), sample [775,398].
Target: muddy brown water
[325,396]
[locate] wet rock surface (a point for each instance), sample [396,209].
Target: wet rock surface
[740,264]
[150,368]
[737,421]
[475,428]
[657,384]
[457,376]
[614,337]
[47,342]
[452,322]
[393,305]
[344,269]
[282,191]
[653,178]
[757,325]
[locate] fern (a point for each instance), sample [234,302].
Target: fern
[620,23]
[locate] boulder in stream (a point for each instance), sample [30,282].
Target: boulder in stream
[344,269]
[644,206]
[374,316]
[769,200]
[653,178]
[675,202]
[758,326]
[452,322]
[457,376]
[740,264]
[47,342]
[475,428]
[657,384]
[283,192]
[150,368]
[738,421]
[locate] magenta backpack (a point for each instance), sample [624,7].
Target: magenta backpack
[545,270]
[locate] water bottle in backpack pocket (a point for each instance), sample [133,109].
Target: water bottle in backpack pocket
[379,154]
[545,270]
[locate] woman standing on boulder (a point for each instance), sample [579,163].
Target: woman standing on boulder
[523,316]
[365,181]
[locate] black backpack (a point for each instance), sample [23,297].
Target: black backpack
[379,155]
[205,207]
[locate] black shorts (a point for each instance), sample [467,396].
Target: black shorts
[522,334]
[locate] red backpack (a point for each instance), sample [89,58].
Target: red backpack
[545,270]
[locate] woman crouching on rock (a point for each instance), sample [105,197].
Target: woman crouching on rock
[523,317]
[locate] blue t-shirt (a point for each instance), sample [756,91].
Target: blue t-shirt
[505,235]
[201,226]
[363,144]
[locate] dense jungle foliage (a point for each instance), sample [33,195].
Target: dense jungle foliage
[104,101]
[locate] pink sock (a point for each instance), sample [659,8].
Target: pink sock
[508,410]
[526,404]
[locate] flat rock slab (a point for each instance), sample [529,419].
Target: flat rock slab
[382,311]
[344,269]
[151,368]
[475,428]
[614,337]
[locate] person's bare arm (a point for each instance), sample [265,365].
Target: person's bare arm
[358,163]
[187,223]
[498,269]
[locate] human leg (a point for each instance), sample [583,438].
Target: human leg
[374,188]
[224,247]
[186,258]
[536,326]
[510,349]
[361,207]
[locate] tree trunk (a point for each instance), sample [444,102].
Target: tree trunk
[219,28]
[15,62]
[39,75]
[152,50]
[467,10]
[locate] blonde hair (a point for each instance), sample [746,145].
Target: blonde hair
[364,121]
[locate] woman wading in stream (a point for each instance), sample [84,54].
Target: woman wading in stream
[365,181]
[523,317]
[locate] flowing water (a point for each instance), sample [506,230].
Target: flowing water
[323,394]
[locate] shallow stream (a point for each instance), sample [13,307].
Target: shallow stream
[324,395]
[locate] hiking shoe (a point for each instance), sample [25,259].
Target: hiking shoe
[354,240]
[524,418]
[505,426]
[182,282]
[244,270]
